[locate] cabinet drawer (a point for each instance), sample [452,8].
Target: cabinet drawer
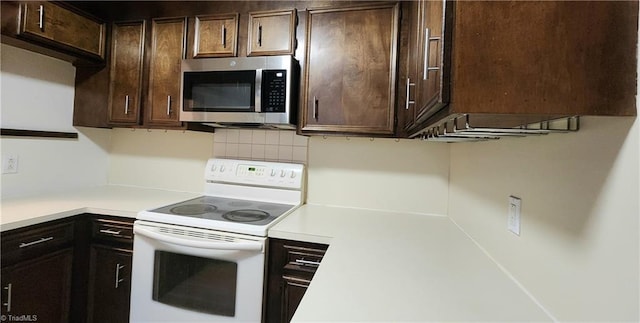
[35,241]
[112,230]
[303,258]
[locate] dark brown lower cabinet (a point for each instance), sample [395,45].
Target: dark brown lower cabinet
[291,266]
[38,289]
[109,285]
[37,270]
[70,270]
[110,270]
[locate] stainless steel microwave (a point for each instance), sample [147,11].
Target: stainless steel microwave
[240,91]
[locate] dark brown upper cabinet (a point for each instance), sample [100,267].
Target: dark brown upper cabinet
[57,27]
[167,51]
[216,36]
[511,63]
[125,81]
[427,82]
[350,70]
[272,32]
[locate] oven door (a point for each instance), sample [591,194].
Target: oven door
[183,274]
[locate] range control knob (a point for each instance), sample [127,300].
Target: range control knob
[221,168]
[283,173]
[273,172]
[293,174]
[214,167]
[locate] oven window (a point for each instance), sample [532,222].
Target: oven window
[219,91]
[195,283]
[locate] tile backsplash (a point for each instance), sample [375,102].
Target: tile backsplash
[260,144]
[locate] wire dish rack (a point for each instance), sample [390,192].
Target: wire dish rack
[459,129]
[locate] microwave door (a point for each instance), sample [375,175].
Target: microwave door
[220,91]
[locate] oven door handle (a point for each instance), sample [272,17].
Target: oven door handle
[244,246]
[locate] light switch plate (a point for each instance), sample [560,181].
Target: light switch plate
[513,217]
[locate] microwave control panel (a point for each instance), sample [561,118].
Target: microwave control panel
[274,90]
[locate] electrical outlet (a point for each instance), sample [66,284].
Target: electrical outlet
[9,164]
[513,217]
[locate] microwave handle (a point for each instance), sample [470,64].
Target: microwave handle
[258,96]
[224,36]
[245,246]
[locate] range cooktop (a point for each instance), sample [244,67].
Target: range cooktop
[227,210]
[240,196]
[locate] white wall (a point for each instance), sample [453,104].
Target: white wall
[172,160]
[37,94]
[578,252]
[403,175]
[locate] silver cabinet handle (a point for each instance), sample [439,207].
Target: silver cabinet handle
[8,303]
[427,40]
[168,105]
[41,20]
[126,104]
[408,101]
[307,262]
[107,231]
[28,244]
[315,108]
[260,35]
[118,279]
[224,36]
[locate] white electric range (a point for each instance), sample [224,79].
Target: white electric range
[204,259]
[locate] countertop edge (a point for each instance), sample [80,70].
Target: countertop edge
[41,219]
[304,237]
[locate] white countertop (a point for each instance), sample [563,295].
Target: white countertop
[392,267]
[380,266]
[107,200]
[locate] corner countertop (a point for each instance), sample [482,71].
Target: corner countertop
[380,265]
[393,267]
[113,200]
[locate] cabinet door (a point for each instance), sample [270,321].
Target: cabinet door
[167,52]
[272,33]
[413,56]
[39,288]
[126,72]
[38,19]
[350,70]
[61,26]
[109,284]
[293,290]
[433,79]
[216,36]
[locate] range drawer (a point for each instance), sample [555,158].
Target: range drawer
[35,241]
[111,230]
